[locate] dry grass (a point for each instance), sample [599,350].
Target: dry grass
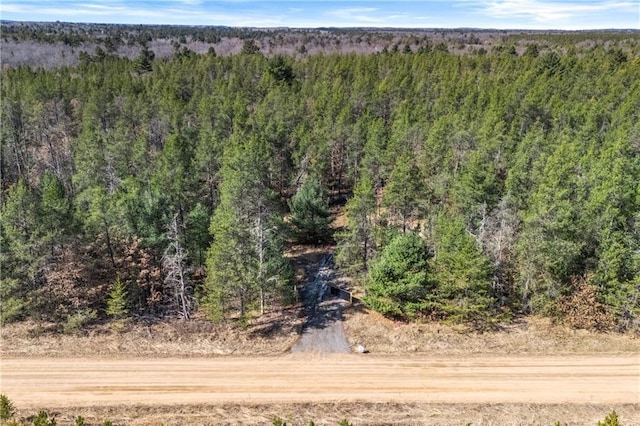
[356,413]
[274,333]
[528,336]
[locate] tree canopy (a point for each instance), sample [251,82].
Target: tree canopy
[518,171]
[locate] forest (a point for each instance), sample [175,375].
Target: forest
[477,187]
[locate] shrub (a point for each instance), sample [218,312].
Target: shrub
[7,410]
[44,419]
[581,309]
[12,307]
[79,421]
[78,320]
[278,422]
[610,420]
[117,301]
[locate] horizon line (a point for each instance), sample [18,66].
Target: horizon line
[368,28]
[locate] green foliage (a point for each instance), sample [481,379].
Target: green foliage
[245,263]
[277,421]
[345,422]
[22,255]
[198,238]
[610,420]
[310,216]
[7,409]
[44,419]
[249,47]
[80,319]
[13,305]
[281,70]
[356,244]
[462,274]
[118,300]
[534,159]
[79,421]
[144,63]
[399,281]
[404,191]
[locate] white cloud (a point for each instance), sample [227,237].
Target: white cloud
[548,11]
[355,15]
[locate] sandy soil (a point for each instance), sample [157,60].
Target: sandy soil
[302,378]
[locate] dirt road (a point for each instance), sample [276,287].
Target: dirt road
[323,331]
[50,383]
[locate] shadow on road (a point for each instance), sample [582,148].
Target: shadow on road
[323,331]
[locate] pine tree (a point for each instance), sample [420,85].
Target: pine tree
[357,244]
[245,263]
[403,192]
[118,300]
[310,214]
[399,280]
[461,272]
[55,210]
[198,238]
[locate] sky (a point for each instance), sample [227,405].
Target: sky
[499,14]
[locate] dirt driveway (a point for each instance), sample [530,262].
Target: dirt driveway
[324,330]
[38,382]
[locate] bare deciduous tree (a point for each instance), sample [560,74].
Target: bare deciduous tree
[177,286]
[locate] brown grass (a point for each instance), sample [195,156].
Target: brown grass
[356,413]
[274,333]
[527,336]
[277,332]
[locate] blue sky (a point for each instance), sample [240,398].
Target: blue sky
[502,14]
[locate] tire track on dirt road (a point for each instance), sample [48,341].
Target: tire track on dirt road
[49,383]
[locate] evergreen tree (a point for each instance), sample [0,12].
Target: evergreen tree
[118,300]
[357,244]
[55,210]
[404,191]
[462,274]
[310,214]
[21,257]
[398,281]
[144,63]
[198,237]
[245,262]
[249,47]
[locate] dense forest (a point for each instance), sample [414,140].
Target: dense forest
[476,187]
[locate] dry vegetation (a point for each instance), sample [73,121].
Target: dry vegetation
[356,413]
[527,336]
[273,334]
[277,332]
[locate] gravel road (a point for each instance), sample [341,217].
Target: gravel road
[323,331]
[83,382]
